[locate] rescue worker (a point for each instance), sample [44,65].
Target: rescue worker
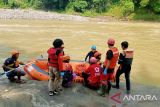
[92,74]
[11,67]
[55,61]
[125,61]
[97,55]
[67,72]
[109,65]
[91,53]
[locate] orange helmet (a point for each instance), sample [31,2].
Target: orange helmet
[111,41]
[97,54]
[14,52]
[66,57]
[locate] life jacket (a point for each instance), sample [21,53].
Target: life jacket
[67,67]
[99,62]
[128,56]
[113,61]
[55,60]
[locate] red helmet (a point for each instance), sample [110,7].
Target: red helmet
[93,60]
[111,41]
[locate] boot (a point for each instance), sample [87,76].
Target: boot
[115,86]
[128,92]
[101,91]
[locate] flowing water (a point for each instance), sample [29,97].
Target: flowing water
[34,37]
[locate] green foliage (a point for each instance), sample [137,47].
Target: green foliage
[13,3]
[116,8]
[128,8]
[122,9]
[1,3]
[142,14]
[38,4]
[99,5]
[115,11]
[144,3]
[80,5]
[90,13]
[156,6]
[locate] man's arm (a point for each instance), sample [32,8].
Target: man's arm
[121,58]
[7,67]
[109,57]
[21,63]
[60,61]
[86,57]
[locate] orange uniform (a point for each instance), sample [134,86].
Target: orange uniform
[94,72]
[110,70]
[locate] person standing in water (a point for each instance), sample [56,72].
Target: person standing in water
[55,61]
[11,67]
[109,65]
[125,61]
[91,53]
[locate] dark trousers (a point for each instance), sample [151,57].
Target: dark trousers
[67,79]
[126,70]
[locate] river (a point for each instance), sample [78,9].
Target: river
[34,37]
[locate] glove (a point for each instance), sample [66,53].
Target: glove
[62,74]
[74,75]
[105,71]
[17,69]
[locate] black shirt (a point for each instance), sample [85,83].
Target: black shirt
[10,62]
[109,55]
[90,54]
[121,59]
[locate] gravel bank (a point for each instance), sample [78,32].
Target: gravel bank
[33,14]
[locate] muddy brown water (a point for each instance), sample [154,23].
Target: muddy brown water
[34,37]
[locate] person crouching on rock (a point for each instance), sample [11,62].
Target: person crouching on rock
[92,74]
[11,67]
[67,72]
[55,61]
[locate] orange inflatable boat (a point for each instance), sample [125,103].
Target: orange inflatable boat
[38,69]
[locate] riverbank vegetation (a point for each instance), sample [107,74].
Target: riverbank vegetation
[121,9]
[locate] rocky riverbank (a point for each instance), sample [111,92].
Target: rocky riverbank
[35,94]
[33,14]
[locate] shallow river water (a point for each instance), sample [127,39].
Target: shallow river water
[34,37]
